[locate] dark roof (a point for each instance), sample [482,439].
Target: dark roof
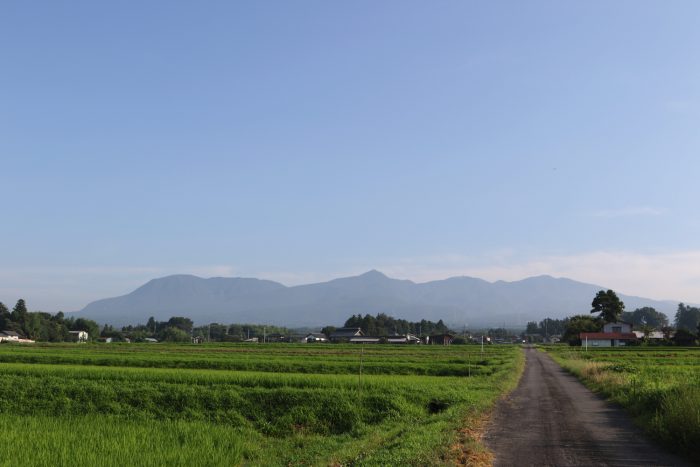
[10,333]
[608,335]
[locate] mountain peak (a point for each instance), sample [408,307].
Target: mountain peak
[373,274]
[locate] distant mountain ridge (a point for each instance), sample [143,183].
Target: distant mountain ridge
[459,301]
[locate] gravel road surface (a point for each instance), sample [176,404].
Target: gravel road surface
[551,419]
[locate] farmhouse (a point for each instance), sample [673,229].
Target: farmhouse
[79,336]
[653,335]
[407,339]
[365,340]
[315,337]
[276,337]
[345,334]
[614,335]
[9,336]
[441,339]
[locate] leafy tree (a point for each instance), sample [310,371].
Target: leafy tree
[184,324]
[33,326]
[384,325]
[151,325]
[19,312]
[532,328]
[549,326]
[646,317]
[5,316]
[687,317]
[684,337]
[578,324]
[328,330]
[608,305]
[174,334]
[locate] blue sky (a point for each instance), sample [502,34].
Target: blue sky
[301,141]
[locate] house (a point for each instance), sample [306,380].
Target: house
[407,339]
[78,336]
[364,340]
[197,339]
[106,340]
[652,335]
[441,339]
[315,337]
[345,334]
[276,337]
[9,336]
[616,334]
[150,340]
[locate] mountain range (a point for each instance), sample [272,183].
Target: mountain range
[459,301]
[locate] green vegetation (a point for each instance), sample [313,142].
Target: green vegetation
[384,325]
[660,387]
[608,305]
[42,326]
[282,404]
[688,318]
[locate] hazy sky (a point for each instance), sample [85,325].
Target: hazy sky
[305,140]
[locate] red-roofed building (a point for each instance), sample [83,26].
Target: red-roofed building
[613,335]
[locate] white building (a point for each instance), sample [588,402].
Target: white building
[614,335]
[79,336]
[9,336]
[315,337]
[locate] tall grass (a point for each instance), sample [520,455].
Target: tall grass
[52,441]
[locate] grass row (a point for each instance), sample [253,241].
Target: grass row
[164,414]
[659,387]
[286,358]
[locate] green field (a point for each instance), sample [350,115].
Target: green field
[275,404]
[659,386]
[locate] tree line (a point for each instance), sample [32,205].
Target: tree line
[40,326]
[609,308]
[45,327]
[385,325]
[182,329]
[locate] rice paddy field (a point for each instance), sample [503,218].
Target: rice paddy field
[659,386]
[238,404]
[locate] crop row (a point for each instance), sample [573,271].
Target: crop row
[455,363]
[293,408]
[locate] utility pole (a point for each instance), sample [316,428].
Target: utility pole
[482,343]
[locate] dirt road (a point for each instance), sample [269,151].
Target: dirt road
[551,419]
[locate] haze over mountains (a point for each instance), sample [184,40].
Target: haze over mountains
[458,301]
